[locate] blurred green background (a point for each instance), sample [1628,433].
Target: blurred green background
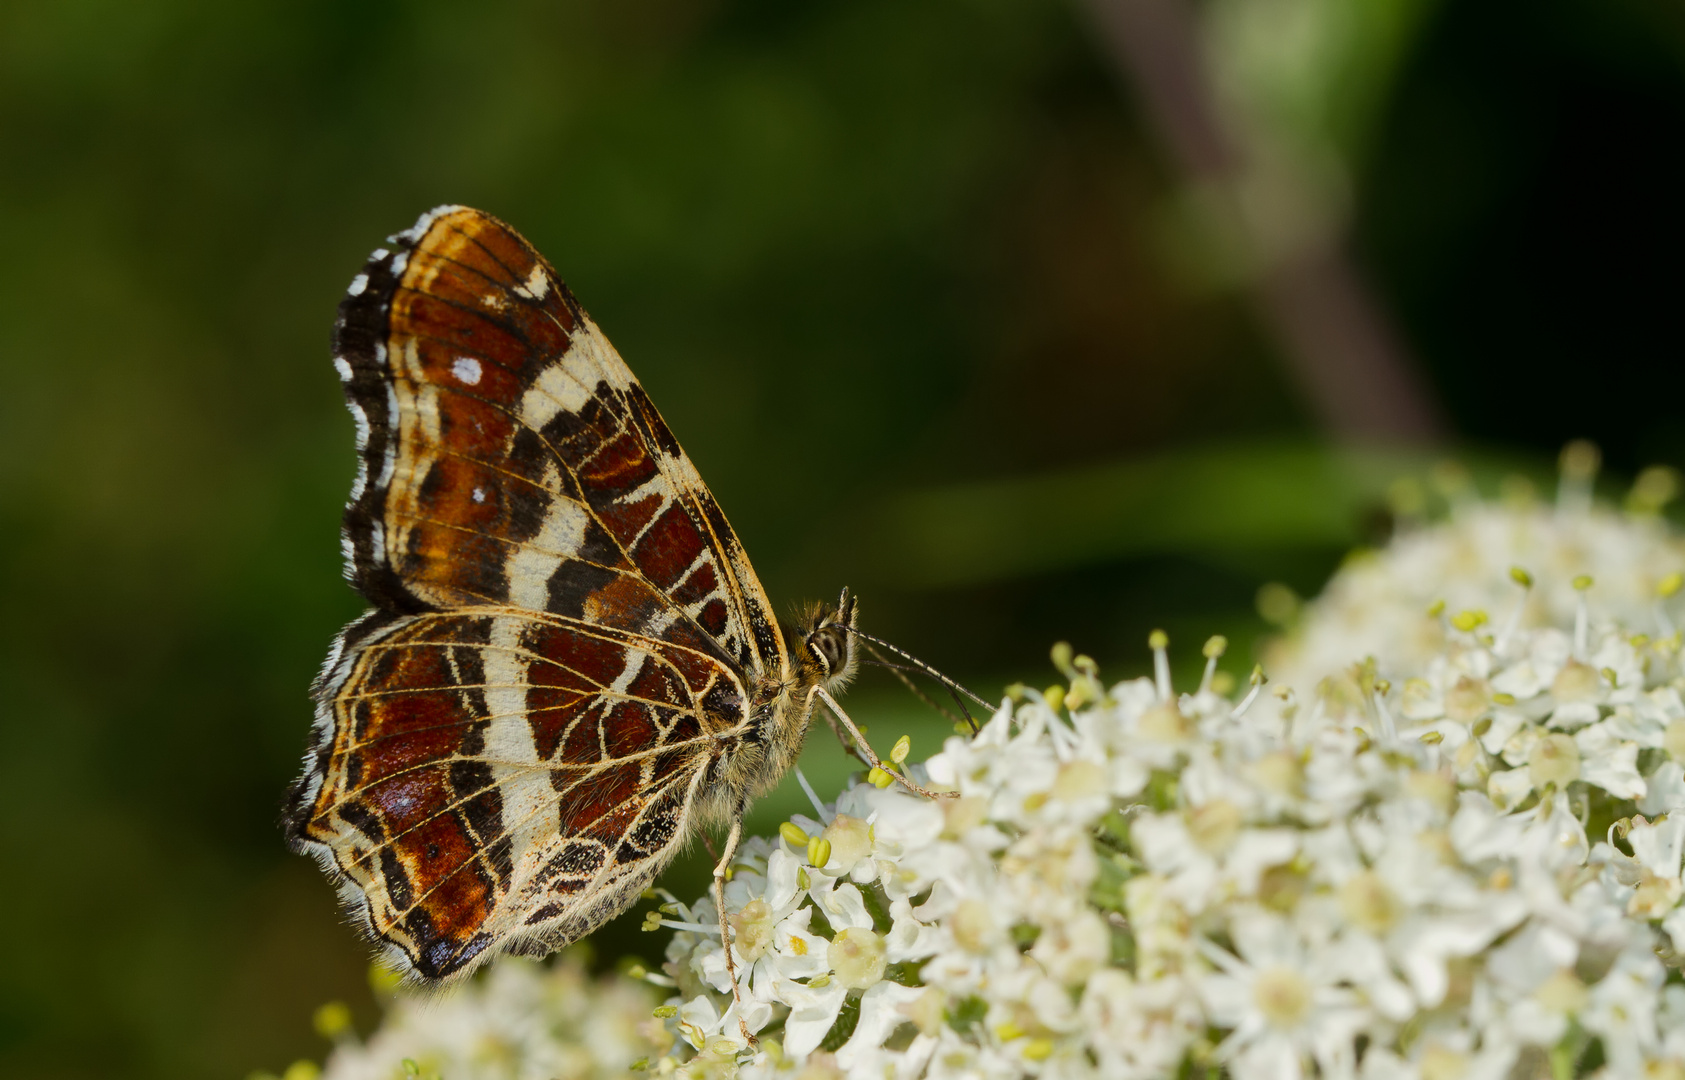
[1028,319]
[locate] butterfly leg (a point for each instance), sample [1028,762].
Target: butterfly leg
[850,746]
[866,753]
[720,869]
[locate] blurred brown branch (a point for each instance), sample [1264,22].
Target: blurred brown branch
[1344,356]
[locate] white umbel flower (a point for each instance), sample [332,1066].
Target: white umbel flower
[520,1021]
[1395,604]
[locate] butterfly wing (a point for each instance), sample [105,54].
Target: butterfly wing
[515,739]
[498,779]
[508,456]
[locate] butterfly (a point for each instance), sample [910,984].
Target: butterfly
[569,667]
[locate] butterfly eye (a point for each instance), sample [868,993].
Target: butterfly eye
[829,648]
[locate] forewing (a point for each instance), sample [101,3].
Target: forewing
[508,457]
[500,780]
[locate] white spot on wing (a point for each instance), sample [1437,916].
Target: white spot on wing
[479,495]
[340,365]
[398,264]
[358,284]
[467,370]
[377,539]
[536,284]
[380,253]
[390,463]
[361,419]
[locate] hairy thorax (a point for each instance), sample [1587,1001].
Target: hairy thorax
[754,762]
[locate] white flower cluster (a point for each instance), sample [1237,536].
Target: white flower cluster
[1387,604]
[1465,867]
[519,1021]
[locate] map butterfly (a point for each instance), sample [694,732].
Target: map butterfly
[569,667]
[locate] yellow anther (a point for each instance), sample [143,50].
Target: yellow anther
[1435,609]
[903,747]
[802,879]
[1257,678]
[647,894]
[1055,697]
[1468,620]
[1383,687]
[793,835]
[880,779]
[1669,585]
[1038,1050]
[818,851]
[1580,459]
[652,922]
[1610,674]
[332,1019]
[1582,582]
[1216,645]
[1062,656]
[1502,698]
[1638,641]
[1086,664]
[1655,487]
[665,1012]
[1521,577]
[1432,738]
[1277,604]
[1158,639]
[1008,1031]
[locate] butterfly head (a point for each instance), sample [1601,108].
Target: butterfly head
[826,648]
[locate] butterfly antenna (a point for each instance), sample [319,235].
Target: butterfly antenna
[900,672]
[953,686]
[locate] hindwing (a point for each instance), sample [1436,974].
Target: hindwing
[503,780]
